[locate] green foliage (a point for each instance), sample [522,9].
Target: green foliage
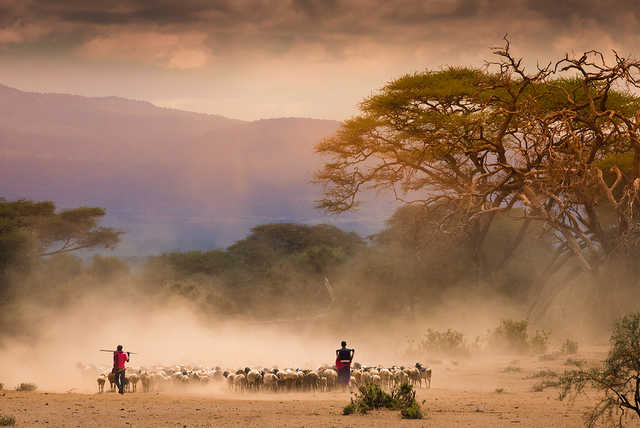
[7,420]
[569,347]
[450,342]
[414,411]
[349,409]
[539,343]
[574,362]
[510,335]
[513,336]
[618,380]
[54,232]
[371,396]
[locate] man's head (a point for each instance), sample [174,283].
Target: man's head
[119,348]
[344,344]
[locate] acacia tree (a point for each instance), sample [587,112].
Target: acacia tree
[500,139]
[618,379]
[53,232]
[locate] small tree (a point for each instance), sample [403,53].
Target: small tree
[618,379]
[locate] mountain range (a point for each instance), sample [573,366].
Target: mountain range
[171,179]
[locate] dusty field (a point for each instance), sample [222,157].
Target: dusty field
[463,394]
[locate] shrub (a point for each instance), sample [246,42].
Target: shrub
[574,362]
[544,373]
[569,347]
[414,411]
[349,409]
[7,421]
[371,396]
[512,336]
[511,369]
[546,383]
[449,342]
[26,387]
[539,343]
[618,380]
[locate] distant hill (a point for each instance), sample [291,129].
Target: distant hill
[172,179]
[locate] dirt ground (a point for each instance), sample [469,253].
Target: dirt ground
[477,393]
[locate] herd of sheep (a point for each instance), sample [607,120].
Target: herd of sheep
[322,379]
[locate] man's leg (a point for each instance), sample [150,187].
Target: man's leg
[116,379]
[121,376]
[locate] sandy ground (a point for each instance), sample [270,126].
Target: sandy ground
[464,393]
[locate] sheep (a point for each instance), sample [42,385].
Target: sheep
[254,379]
[385,377]
[413,374]
[376,380]
[357,375]
[146,382]
[133,382]
[425,374]
[101,382]
[230,378]
[112,381]
[240,382]
[270,381]
[324,384]
[310,381]
[332,378]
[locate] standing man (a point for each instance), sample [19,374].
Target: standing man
[344,356]
[119,359]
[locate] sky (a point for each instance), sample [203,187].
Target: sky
[252,59]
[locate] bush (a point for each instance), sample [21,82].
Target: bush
[371,396]
[512,336]
[569,347]
[26,387]
[450,342]
[544,373]
[574,362]
[6,421]
[349,409]
[618,380]
[539,343]
[412,412]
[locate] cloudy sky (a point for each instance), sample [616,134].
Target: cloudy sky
[253,59]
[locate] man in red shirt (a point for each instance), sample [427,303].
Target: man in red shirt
[119,358]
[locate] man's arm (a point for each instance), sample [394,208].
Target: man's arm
[353,352]
[128,357]
[115,360]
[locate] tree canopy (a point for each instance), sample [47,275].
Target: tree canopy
[29,229]
[541,147]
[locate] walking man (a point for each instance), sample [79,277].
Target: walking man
[119,359]
[344,356]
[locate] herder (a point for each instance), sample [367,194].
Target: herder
[344,356]
[119,359]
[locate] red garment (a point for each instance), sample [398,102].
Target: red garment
[340,364]
[119,358]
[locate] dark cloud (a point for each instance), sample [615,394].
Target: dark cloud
[368,18]
[333,29]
